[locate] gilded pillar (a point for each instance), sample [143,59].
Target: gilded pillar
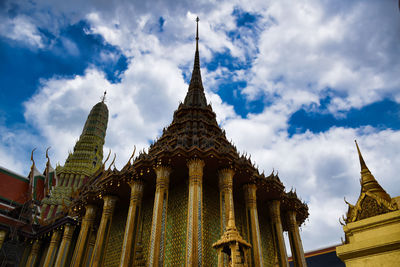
[194,232]
[277,231]
[252,220]
[225,195]
[83,238]
[295,240]
[132,221]
[52,251]
[3,235]
[158,224]
[104,231]
[90,247]
[65,245]
[33,256]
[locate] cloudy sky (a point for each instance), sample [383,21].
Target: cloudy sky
[293,83]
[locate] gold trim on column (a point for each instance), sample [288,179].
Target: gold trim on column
[132,222]
[81,243]
[52,251]
[158,224]
[103,232]
[33,256]
[65,245]
[225,193]
[250,196]
[277,231]
[3,235]
[295,241]
[194,240]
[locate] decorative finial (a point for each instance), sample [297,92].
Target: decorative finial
[197,33]
[47,152]
[108,156]
[362,162]
[104,96]
[112,162]
[33,161]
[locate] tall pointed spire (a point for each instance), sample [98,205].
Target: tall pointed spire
[362,162]
[195,95]
[88,150]
[368,181]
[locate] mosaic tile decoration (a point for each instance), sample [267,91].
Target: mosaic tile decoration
[211,224]
[162,236]
[117,230]
[241,219]
[153,229]
[147,209]
[176,226]
[267,241]
[199,223]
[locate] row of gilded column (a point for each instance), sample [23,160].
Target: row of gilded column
[90,249]
[194,240]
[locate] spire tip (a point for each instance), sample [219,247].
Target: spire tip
[197,33]
[362,162]
[104,96]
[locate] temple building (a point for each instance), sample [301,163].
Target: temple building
[371,226]
[190,200]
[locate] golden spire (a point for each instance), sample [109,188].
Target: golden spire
[195,95]
[231,221]
[362,162]
[368,182]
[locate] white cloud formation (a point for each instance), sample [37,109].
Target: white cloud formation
[23,30]
[312,46]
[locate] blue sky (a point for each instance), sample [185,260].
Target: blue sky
[293,84]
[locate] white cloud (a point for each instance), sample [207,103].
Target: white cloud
[310,46]
[23,30]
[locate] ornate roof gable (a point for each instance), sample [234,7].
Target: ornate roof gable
[373,199]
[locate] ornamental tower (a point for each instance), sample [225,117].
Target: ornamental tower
[87,155]
[83,162]
[371,226]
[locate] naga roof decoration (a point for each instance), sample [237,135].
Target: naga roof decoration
[373,199]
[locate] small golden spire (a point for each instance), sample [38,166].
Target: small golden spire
[231,221]
[362,162]
[368,181]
